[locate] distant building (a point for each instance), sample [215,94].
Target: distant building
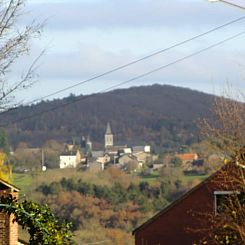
[127,150]
[125,159]
[88,144]
[108,136]
[187,157]
[70,159]
[104,159]
[147,148]
[110,154]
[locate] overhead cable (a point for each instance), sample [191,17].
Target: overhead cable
[130,80]
[138,60]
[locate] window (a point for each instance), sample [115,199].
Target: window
[222,200]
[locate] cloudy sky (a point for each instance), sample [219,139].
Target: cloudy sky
[84,38]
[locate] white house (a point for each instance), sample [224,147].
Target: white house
[147,148]
[70,159]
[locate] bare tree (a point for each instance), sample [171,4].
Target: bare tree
[14,43]
[225,131]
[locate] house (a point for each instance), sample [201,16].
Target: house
[127,150]
[70,159]
[103,159]
[179,223]
[128,162]
[141,148]
[138,148]
[187,157]
[125,159]
[8,228]
[142,157]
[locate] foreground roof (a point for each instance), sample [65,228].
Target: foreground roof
[6,184]
[185,196]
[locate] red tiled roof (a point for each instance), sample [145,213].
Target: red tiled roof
[187,156]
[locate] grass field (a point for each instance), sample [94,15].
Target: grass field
[151,178]
[188,178]
[22,181]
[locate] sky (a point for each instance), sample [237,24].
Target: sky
[84,38]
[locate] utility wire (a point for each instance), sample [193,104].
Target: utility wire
[130,80]
[138,60]
[233,4]
[127,65]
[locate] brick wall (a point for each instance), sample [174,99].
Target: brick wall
[13,231]
[3,229]
[8,229]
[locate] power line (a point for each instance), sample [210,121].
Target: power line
[233,4]
[132,79]
[128,64]
[139,60]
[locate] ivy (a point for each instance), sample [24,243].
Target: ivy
[44,228]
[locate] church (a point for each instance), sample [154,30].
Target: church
[110,154]
[119,154]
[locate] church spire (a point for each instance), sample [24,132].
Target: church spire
[108,136]
[108,129]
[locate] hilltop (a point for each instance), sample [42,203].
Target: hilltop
[162,114]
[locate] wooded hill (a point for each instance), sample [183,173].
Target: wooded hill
[162,114]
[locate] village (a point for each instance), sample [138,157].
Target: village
[80,154]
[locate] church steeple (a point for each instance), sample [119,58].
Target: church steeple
[108,136]
[108,129]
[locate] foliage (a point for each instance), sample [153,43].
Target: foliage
[99,204]
[164,115]
[176,161]
[5,168]
[42,225]
[52,150]
[225,132]
[27,159]
[116,208]
[142,194]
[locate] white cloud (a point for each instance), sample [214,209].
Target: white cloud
[90,37]
[129,14]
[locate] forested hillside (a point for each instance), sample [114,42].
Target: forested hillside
[162,114]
